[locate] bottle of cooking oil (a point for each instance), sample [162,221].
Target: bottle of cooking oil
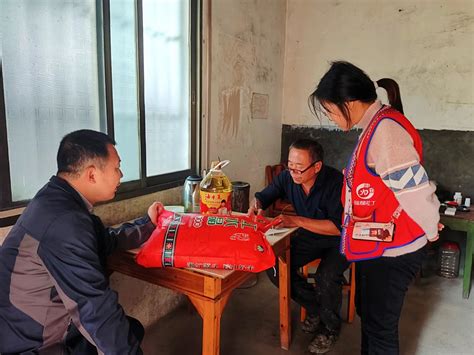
[216,191]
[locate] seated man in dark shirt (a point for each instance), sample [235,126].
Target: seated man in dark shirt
[55,296]
[314,191]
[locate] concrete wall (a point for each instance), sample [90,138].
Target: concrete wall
[426,45]
[247,59]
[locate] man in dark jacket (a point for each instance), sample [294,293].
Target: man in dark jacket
[54,292]
[314,190]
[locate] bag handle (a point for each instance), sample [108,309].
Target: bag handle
[220,165]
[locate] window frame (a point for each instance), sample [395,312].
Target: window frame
[144,185]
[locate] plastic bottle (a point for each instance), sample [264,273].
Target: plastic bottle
[467,202]
[216,191]
[458,198]
[448,260]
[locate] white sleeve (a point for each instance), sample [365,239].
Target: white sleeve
[394,158]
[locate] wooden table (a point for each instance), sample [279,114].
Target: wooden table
[464,222]
[209,290]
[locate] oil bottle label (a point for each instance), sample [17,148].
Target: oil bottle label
[216,202]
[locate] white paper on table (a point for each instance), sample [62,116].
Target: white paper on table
[450,211]
[273,231]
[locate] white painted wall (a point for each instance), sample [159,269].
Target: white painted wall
[246,57]
[427,46]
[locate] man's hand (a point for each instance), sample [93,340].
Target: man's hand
[318,226]
[255,208]
[288,221]
[154,211]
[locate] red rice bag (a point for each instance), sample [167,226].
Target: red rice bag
[215,242]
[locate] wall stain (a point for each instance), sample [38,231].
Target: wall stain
[459,21]
[406,12]
[239,69]
[459,103]
[230,102]
[264,74]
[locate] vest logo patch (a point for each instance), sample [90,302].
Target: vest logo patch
[365,191]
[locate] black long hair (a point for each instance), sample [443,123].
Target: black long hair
[345,82]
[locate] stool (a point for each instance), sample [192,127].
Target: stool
[348,287]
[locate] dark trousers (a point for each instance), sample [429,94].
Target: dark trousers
[381,285]
[76,344]
[323,300]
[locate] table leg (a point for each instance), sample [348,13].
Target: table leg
[211,313]
[285,297]
[466,287]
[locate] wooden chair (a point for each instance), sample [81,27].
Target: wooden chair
[348,287]
[280,206]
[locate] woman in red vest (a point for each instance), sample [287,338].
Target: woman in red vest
[390,209]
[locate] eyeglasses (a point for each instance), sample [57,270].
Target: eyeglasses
[301,172]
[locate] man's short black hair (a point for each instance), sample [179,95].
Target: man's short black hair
[80,147]
[313,147]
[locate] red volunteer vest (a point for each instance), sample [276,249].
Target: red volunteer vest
[372,200]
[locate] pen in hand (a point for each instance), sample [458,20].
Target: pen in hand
[257,211]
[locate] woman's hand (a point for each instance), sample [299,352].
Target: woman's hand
[440,228]
[154,211]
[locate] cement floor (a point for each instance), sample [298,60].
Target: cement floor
[435,320]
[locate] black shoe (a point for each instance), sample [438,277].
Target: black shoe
[310,324]
[323,342]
